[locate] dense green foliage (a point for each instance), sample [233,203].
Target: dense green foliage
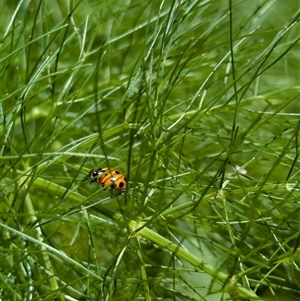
[197,103]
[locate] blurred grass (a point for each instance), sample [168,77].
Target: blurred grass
[197,102]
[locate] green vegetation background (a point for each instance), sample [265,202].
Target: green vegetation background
[197,103]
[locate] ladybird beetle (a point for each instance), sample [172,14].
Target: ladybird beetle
[114,180]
